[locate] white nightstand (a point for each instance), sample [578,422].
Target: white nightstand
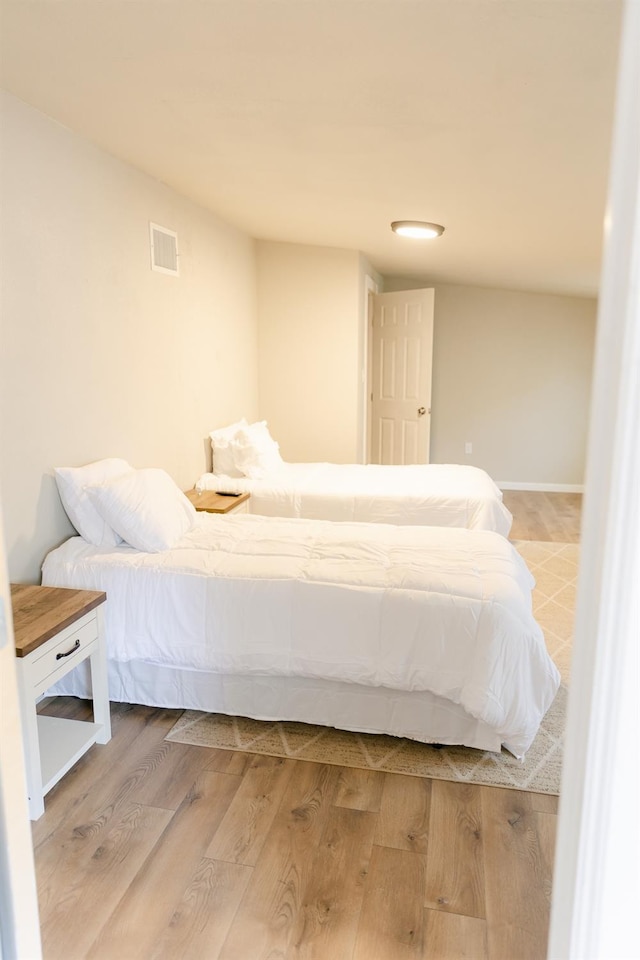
[211,502]
[55,630]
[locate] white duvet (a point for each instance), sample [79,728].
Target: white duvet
[435,494]
[408,608]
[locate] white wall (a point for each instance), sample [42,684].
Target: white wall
[99,355]
[309,309]
[512,375]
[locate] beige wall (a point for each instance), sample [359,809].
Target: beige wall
[308,319]
[512,375]
[99,355]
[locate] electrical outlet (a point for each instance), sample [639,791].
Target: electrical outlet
[468,447]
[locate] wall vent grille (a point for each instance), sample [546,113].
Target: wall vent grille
[164,250]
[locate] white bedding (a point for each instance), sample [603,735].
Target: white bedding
[444,495]
[403,608]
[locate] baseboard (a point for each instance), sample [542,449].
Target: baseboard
[546,487]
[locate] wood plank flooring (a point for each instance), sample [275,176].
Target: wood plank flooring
[544,516]
[158,850]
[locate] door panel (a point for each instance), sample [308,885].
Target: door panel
[412,361]
[410,442]
[387,370]
[402,346]
[386,440]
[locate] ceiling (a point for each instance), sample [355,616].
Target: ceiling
[321,121]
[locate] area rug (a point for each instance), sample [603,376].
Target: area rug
[555,568]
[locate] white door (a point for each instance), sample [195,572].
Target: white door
[402,352]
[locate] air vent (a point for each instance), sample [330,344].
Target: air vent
[164,249]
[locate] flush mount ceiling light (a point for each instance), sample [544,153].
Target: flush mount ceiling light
[417,229]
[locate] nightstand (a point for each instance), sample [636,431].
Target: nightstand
[55,630]
[211,502]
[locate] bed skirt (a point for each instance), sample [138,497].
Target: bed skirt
[416,715]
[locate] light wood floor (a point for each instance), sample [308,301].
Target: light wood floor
[544,516]
[150,849]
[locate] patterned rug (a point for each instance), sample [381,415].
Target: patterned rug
[555,567]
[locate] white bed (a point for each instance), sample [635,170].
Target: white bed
[445,495]
[422,632]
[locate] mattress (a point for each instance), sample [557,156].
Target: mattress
[409,609]
[445,495]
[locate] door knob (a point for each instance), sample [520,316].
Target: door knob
[422,411]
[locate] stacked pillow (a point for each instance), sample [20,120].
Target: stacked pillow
[73,484]
[221,440]
[109,502]
[245,450]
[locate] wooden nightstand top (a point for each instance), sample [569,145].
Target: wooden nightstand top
[41,612]
[212,502]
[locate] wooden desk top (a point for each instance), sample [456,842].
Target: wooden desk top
[212,502]
[41,612]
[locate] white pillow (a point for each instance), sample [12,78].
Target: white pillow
[255,452]
[223,463]
[72,485]
[146,508]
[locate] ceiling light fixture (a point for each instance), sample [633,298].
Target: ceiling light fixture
[417,229]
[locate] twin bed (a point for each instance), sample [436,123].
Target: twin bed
[444,495]
[246,459]
[417,631]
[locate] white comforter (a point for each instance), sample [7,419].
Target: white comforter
[443,610]
[435,494]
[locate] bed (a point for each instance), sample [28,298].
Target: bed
[446,495]
[246,459]
[421,632]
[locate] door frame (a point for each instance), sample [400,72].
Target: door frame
[596,884]
[371,286]
[19,919]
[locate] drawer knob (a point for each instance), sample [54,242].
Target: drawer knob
[76,646]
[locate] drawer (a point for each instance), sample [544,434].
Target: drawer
[62,652]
